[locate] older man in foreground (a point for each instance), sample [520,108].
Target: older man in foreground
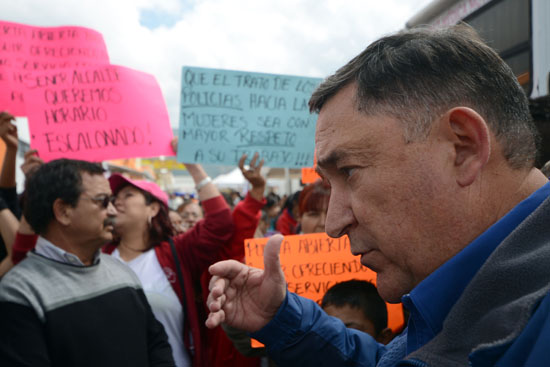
[428,145]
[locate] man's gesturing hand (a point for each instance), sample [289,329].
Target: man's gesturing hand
[243,297]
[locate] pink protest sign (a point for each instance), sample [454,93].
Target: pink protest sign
[97,113]
[11,98]
[25,48]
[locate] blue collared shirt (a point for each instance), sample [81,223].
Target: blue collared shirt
[431,300]
[47,249]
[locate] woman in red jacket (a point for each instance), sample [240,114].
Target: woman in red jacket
[169,269]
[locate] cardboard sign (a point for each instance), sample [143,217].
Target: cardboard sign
[97,113]
[169,164]
[226,113]
[312,263]
[24,49]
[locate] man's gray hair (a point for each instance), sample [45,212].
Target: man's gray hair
[417,75]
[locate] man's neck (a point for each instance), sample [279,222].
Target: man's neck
[85,252]
[510,192]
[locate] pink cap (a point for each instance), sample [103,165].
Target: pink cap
[117,181]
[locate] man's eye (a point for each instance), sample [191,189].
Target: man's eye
[348,171]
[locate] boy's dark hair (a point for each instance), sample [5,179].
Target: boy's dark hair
[58,179]
[362,295]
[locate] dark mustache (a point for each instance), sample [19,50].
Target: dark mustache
[109,221]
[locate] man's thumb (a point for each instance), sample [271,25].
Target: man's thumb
[272,264]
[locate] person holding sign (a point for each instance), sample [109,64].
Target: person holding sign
[427,143]
[9,206]
[170,267]
[10,226]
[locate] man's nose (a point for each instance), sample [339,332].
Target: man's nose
[339,216]
[111,209]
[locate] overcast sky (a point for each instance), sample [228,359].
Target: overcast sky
[297,37]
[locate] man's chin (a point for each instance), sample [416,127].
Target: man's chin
[107,237]
[389,292]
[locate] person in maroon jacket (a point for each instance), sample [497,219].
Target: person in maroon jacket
[145,244]
[246,216]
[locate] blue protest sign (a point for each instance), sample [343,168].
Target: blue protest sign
[226,113]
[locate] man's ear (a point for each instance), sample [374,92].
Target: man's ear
[62,212]
[471,142]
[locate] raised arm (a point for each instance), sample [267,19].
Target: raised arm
[246,213]
[8,133]
[25,239]
[8,226]
[205,188]
[204,241]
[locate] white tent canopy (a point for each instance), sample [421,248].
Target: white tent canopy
[232,180]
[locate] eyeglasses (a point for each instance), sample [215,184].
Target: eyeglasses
[102,200]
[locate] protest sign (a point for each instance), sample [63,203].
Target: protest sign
[312,263]
[97,113]
[24,49]
[226,113]
[169,164]
[309,175]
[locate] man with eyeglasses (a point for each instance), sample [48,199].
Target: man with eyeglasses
[67,304]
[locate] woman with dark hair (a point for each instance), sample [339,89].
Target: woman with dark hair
[312,208]
[169,268]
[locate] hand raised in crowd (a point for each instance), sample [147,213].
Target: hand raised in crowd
[244,297]
[254,176]
[31,163]
[8,131]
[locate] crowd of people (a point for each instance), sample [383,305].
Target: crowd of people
[426,151]
[167,249]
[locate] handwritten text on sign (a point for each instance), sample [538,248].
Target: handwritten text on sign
[225,114]
[25,48]
[105,112]
[313,263]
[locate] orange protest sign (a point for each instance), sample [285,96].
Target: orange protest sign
[312,263]
[309,175]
